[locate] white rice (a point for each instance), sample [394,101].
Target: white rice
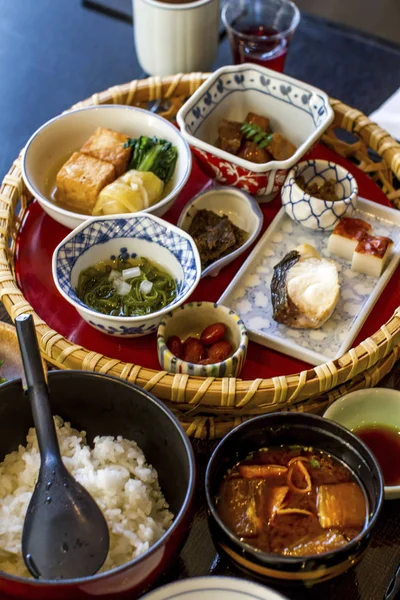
[115,473]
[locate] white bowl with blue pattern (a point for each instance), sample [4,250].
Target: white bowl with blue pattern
[296,109]
[50,146]
[312,212]
[141,234]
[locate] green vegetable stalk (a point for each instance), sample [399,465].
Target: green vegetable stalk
[256,134]
[153,154]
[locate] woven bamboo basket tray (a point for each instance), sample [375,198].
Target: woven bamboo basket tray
[211,407]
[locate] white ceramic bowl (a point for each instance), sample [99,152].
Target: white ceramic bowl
[238,206]
[140,234]
[190,320]
[312,212]
[54,142]
[372,406]
[213,588]
[298,110]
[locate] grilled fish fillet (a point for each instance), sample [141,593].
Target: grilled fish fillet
[304,289]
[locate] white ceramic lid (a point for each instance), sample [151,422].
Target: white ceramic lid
[210,588]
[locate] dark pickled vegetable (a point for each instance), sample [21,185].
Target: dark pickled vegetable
[215,236]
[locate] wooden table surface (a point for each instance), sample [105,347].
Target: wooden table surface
[55,53]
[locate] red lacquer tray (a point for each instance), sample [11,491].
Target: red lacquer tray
[39,235]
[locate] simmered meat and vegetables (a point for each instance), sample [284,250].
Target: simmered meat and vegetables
[292,501]
[253,140]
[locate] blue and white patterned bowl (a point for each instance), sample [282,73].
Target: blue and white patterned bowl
[298,110]
[140,234]
[190,320]
[312,212]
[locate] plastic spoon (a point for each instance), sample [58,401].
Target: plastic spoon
[65,534]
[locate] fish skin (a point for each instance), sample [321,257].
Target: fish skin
[283,307]
[289,311]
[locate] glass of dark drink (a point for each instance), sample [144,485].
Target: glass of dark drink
[260,31]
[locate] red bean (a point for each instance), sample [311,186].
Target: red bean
[219,351]
[193,350]
[206,361]
[174,345]
[213,333]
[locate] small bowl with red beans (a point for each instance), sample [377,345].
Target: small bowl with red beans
[202,339]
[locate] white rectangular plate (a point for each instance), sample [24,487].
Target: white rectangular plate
[250,296]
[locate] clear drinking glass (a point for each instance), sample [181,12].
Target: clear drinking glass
[260,31]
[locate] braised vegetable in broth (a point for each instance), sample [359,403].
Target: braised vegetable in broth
[253,140]
[126,288]
[113,174]
[292,501]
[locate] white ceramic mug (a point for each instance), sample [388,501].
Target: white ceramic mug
[176,38]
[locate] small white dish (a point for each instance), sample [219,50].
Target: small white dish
[213,588]
[249,292]
[54,142]
[238,206]
[312,212]
[138,234]
[298,110]
[372,406]
[189,320]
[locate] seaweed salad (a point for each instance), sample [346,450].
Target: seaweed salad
[126,287]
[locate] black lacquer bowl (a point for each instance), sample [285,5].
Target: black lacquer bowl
[286,429]
[103,405]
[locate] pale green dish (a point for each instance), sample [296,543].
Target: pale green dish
[372,406]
